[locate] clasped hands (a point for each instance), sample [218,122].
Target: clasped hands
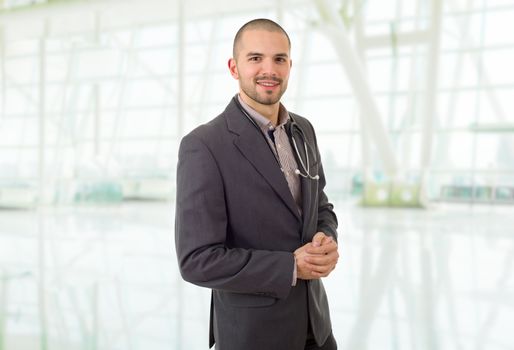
[316,259]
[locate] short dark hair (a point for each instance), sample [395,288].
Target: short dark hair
[259,23]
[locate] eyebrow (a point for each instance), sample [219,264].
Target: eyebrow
[249,54]
[254,54]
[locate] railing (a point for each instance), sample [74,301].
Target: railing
[481,194]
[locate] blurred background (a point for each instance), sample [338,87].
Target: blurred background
[413,103]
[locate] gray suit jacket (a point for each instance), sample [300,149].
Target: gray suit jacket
[236,229]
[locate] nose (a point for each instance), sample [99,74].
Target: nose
[268,67]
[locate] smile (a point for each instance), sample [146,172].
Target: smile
[268,83]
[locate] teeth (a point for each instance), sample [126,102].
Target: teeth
[268,84]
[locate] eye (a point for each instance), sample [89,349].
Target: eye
[254,59]
[280,59]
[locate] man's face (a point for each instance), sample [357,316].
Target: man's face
[262,66]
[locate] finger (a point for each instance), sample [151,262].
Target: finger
[321,262]
[326,270]
[321,259]
[311,267]
[327,240]
[324,249]
[327,265]
[318,239]
[312,249]
[319,274]
[322,272]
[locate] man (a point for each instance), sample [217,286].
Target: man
[252,220]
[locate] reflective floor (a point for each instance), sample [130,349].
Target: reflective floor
[106,278]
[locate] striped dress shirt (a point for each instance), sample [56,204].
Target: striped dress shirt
[279,143]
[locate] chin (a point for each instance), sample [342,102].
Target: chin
[269,102]
[270,98]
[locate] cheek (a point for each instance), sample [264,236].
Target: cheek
[284,72]
[247,74]
[285,76]
[247,71]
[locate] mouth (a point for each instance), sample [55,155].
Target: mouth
[268,83]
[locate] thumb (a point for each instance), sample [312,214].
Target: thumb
[318,239]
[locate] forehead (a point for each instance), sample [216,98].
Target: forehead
[263,41]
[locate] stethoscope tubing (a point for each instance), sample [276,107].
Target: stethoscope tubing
[293,125]
[305,166]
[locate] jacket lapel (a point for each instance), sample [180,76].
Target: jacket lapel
[306,201]
[306,184]
[252,144]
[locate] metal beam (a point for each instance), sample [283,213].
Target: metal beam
[280,11]
[42,281]
[367,171]
[2,73]
[181,52]
[96,93]
[118,120]
[300,66]
[41,291]
[399,39]
[181,59]
[431,89]
[336,32]
[3,308]
[42,114]
[205,82]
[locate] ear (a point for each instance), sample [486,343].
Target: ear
[233,68]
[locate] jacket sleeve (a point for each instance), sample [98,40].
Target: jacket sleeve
[327,219]
[201,225]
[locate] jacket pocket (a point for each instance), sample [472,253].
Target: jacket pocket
[246,300]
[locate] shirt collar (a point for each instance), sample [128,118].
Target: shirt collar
[263,122]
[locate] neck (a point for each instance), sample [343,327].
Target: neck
[268,111]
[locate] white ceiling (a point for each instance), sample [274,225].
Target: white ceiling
[64,17]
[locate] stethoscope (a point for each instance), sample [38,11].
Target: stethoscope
[294,128]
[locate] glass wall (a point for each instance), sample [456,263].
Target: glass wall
[93,112]
[94,100]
